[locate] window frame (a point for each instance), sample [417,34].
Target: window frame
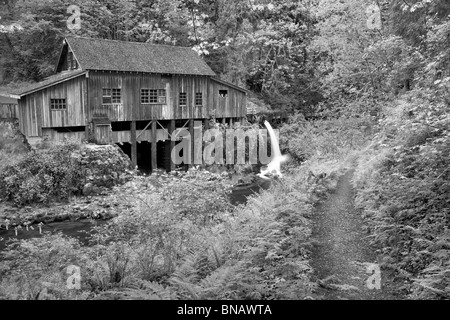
[58,104]
[180,98]
[72,63]
[153,96]
[199,98]
[112,95]
[223,93]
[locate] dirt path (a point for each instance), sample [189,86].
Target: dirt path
[342,254]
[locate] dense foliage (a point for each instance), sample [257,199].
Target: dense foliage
[257,44]
[60,171]
[380,96]
[42,176]
[13,144]
[403,182]
[157,251]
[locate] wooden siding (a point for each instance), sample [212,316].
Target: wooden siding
[131,108]
[103,134]
[84,101]
[53,135]
[190,85]
[35,112]
[125,136]
[231,106]
[9,111]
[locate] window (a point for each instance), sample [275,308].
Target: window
[58,104]
[71,61]
[153,96]
[223,93]
[198,99]
[183,99]
[111,96]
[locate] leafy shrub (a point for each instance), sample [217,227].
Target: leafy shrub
[162,247]
[36,268]
[404,190]
[258,253]
[42,176]
[13,144]
[326,138]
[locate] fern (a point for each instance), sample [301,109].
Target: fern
[140,289]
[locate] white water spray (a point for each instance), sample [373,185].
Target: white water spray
[274,166]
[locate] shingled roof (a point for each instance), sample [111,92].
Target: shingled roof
[47,82]
[113,55]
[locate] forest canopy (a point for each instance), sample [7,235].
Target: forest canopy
[293,54]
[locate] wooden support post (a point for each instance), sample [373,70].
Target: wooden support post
[86,130]
[172,144]
[205,124]
[133,144]
[223,120]
[154,146]
[231,122]
[191,147]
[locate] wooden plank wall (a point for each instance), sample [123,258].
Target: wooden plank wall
[231,106]
[61,136]
[130,85]
[125,136]
[190,85]
[9,111]
[132,108]
[35,112]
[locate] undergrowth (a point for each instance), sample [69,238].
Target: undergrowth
[13,144]
[41,176]
[403,183]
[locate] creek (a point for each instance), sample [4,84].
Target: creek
[82,228]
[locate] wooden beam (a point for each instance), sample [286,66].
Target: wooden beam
[197,144]
[172,144]
[86,130]
[154,146]
[191,147]
[146,127]
[133,144]
[85,102]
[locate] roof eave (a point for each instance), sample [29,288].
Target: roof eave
[9,95]
[73,53]
[179,74]
[230,84]
[59,56]
[20,95]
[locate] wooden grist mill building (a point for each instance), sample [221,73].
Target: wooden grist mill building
[129,93]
